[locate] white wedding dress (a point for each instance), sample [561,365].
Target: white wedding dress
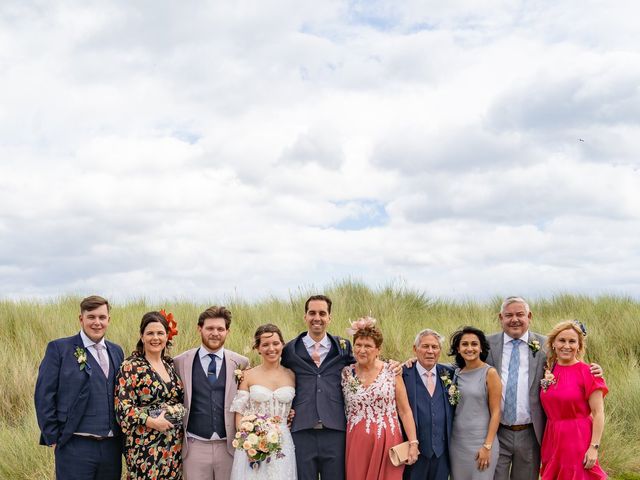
[260,400]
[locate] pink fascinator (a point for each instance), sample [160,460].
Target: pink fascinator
[363,322]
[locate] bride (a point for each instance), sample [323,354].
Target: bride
[267,389]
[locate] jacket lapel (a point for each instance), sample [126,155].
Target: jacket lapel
[187,381]
[300,352]
[409,375]
[497,348]
[328,361]
[230,387]
[533,361]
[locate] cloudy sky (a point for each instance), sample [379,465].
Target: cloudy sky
[206,149]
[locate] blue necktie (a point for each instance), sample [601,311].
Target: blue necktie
[511,393]
[211,371]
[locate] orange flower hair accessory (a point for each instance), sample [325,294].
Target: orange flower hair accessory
[173,325]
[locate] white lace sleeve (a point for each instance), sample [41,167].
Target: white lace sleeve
[240,402]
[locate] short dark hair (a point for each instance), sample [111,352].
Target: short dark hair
[457,337]
[323,298]
[92,302]
[152,317]
[267,328]
[216,312]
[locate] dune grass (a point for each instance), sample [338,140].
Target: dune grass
[613,341]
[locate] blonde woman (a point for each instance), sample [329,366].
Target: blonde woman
[573,400]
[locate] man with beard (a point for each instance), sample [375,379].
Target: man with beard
[207,373]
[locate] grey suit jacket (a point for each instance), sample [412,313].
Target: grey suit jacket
[184,366]
[536,373]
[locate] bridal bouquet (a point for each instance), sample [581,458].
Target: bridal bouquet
[259,436]
[174,413]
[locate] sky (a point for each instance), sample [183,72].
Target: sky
[254,148]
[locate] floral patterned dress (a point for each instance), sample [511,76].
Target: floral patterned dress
[149,454]
[372,426]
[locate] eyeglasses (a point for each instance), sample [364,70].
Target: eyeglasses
[366,348]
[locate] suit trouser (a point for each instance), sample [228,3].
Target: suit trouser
[433,468]
[86,458]
[319,452]
[207,460]
[519,455]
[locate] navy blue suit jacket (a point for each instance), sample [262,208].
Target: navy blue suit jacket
[409,375]
[62,388]
[318,389]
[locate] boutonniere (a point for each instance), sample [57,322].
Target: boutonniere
[238,373]
[534,346]
[81,356]
[548,380]
[452,389]
[343,343]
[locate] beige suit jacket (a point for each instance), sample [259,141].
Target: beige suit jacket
[184,366]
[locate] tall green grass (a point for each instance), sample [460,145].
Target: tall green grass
[27,326]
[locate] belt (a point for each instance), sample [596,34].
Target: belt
[95,438]
[516,428]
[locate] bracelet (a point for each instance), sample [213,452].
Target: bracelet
[414,442]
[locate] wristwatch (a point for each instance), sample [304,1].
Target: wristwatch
[595,445]
[487,445]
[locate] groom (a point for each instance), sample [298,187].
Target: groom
[209,382]
[318,428]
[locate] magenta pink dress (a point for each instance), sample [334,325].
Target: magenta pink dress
[567,435]
[372,426]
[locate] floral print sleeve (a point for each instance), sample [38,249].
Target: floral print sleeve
[131,390]
[149,453]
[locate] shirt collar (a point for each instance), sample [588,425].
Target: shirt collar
[525,338]
[87,342]
[422,370]
[204,351]
[310,342]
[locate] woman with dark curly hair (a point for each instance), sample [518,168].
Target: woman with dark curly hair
[148,390]
[477,391]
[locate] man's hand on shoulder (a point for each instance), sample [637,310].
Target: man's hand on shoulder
[596,370]
[409,363]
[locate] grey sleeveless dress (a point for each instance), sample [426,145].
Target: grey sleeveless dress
[470,425]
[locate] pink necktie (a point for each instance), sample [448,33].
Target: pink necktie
[104,363]
[315,356]
[431,385]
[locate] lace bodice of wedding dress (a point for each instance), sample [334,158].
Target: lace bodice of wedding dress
[260,400]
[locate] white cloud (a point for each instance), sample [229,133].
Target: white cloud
[204,150]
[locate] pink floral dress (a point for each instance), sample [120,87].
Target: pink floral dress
[372,426]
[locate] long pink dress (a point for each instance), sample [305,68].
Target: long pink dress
[372,426]
[567,435]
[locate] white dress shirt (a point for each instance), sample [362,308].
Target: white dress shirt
[205,359]
[423,374]
[523,409]
[90,345]
[325,346]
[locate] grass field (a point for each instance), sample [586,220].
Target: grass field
[613,341]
